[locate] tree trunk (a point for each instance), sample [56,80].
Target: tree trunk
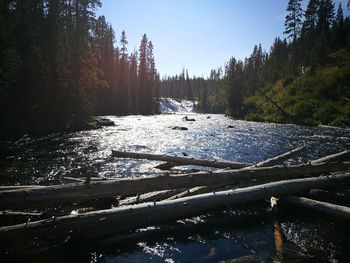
[280,158]
[337,157]
[324,207]
[48,195]
[176,160]
[99,223]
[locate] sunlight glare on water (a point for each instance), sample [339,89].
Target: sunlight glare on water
[206,238]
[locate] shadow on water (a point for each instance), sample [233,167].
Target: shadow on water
[234,234]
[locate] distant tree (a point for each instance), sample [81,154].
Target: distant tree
[325,16]
[293,19]
[339,20]
[189,93]
[311,17]
[133,103]
[152,78]
[123,76]
[234,79]
[145,93]
[338,28]
[276,65]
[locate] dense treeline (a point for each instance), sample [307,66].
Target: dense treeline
[207,91]
[304,78]
[59,65]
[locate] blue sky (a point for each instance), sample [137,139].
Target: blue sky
[197,34]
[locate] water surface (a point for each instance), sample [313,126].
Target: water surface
[212,237]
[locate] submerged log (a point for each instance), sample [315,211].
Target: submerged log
[55,194]
[324,207]
[177,160]
[99,223]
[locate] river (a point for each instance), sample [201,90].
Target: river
[212,237]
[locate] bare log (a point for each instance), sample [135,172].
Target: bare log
[165,166]
[324,207]
[200,190]
[339,157]
[16,187]
[192,191]
[280,158]
[269,162]
[148,197]
[68,179]
[45,196]
[176,160]
[18,213]
[99,223]
[284,113]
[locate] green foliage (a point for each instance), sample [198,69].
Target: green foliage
[317,98]
[293,19]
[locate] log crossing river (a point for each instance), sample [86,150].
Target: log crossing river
[211,237]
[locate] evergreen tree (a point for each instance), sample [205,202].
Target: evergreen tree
[339,20]
[293,19]
[145,94]
[133,106]
[338,28]
[123,99]
[311,17]
[325,16]
[234,78]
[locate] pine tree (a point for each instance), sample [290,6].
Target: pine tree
[145,95]
[234,79]
[152,77]
[311,17]
[339,20]
[326,16]
[133,106]
[338,28]
[123,99]
[293,19]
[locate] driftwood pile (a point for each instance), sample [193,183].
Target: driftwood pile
[143,201]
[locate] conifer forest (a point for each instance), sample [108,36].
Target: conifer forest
[174,131]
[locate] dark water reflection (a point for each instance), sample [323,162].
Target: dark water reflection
[213,237]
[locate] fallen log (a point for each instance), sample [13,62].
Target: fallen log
[177,160]
[149,197]
[269,162]
[18,213]
[199,190]
[280,158]
[67,179]
[55,194]
[16,187]
[337,157]
[324,207]
[99,223]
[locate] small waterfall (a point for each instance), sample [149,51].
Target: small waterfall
[170,105]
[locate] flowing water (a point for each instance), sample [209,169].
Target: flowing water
[217,236]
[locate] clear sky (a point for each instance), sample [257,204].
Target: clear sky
[199,35]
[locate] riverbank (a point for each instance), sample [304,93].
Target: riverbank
[18,129]
[318,97]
